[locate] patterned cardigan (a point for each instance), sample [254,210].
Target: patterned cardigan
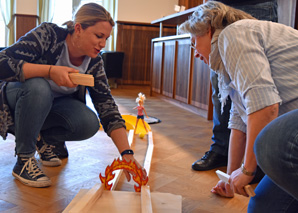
[43,45]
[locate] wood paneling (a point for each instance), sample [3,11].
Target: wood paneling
[134,39]
[201,75]
[24,23]
[169,68]
[183,68]
[178,75]
[157,67]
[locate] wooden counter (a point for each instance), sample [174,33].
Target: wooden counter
[178,76]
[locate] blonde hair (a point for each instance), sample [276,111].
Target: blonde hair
[88,15]
[141,97]
[212,15]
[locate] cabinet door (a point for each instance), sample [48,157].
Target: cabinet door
[200,84]
[169,68]
[157,66]
[183,70]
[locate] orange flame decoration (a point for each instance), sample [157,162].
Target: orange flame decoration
[123,164]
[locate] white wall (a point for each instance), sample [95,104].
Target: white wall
[144,10]
[26,7]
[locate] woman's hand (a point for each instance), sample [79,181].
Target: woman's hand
[127,173]
[239,180]
[223,189]
[59,74]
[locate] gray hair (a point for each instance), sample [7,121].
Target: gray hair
[88,15]
[212,15]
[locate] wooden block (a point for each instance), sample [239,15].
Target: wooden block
[249,190]
[89,199]
[146,199]
[225,178]
[82,79]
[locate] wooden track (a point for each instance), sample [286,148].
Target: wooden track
[92,200]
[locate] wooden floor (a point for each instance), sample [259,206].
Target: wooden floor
[181,138]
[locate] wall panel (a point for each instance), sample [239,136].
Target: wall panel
[178,76]
[169,68]
[134,39]
[183,68]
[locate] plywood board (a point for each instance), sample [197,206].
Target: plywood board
[130,202]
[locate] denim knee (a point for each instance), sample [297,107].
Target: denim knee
[33,91]
[39,88]
[91,124]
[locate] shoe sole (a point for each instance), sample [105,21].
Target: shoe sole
[208,168]
[51,163]
[37,184]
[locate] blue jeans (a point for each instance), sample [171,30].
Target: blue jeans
[262,11]
[276,149]
[221,133]
[36,111]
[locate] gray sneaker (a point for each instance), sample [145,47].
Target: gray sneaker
[46,154]
[27,171]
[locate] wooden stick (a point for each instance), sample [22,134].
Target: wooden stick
[82,79]
[148,158]
[119,172]
[146,199]
[88,199]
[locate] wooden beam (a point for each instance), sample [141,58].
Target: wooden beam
[89,199]
[148,158]
[146,203]
[82,79]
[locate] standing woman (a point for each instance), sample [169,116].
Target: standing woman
[256,62]
[41,105]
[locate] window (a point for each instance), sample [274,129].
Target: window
[88,1]
[2,31]
[64,10]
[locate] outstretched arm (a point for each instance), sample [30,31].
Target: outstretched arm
[255,123]
[119,138]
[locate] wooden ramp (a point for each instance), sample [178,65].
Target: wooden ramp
[127,202]
[99,200]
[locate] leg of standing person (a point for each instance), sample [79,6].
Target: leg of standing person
[218,154]
[276,149]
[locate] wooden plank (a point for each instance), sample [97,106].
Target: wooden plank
[82,79]
[119,172]
[89,199]
[76,199]
[146,199]
[130,202]
[148,158]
